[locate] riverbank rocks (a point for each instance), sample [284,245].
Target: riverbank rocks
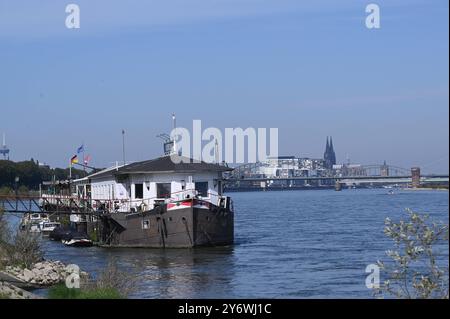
[11,292]
[45,273]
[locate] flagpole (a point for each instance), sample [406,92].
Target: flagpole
[84,157]
[123,146]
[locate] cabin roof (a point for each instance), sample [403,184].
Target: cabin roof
[165,164]
[102,173]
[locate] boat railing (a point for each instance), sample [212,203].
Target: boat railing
[126,205]
[145,204]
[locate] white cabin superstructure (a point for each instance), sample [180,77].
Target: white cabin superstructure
[170,201]
[139,186]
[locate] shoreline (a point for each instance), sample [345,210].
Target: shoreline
[19,283]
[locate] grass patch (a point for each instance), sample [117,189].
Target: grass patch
[62,292]
[101,293]
[4,296]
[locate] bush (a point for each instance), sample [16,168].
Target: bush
[25,250]
[6,191]
[111,283]
[415,272]
[23,190]
[62,292]
[4,239]
[112,278]
[4,229]
[99,293]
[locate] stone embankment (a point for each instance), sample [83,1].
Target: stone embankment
[10,291]
[42,274]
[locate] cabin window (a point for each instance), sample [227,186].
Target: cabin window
[139,191]
[145,224]
[163,190]
[202,188]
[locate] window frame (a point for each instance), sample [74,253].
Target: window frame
[206,194]
[141,186]
[169,189]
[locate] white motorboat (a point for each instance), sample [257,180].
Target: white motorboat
[47,227]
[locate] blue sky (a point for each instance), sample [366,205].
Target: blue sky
[310,68]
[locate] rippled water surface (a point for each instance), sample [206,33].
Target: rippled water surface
[293,244]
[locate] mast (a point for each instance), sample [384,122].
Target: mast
[84,157]
[174,120]
[123,145]
[216,152]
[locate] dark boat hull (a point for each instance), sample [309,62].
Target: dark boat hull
[161,228]
[78,243]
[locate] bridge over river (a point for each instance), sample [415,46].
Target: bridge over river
[249,175]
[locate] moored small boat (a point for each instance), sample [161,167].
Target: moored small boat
[78,242]
[60,233]
[48,227]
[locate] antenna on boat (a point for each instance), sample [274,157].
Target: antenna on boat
[123,146]
[170,146]
[216,152]
[174,119]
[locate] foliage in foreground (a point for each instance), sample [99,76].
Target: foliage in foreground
[415,270]
[62,292]
[23,249]
[114,278]
[4,237]
[112,283]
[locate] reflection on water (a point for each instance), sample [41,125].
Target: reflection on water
[294,244]
[162,273]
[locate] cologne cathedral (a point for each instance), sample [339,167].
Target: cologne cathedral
[329,156]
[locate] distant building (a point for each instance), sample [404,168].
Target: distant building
[291,166]
[43,165]
[415,173]
[4,150]
[349,170]
[329,156]
[384,171]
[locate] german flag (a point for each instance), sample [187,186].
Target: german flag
[74,159]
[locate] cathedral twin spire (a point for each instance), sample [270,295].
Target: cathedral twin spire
[330,155]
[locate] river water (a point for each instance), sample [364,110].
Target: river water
[292,244]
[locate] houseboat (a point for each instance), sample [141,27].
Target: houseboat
[170,201]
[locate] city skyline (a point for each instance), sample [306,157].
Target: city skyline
[310,69]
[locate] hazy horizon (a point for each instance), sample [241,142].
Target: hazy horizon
[311,69]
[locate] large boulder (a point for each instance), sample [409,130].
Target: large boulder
[27,275]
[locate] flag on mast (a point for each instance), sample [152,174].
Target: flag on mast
[80,149]
[87,159]
[74,159]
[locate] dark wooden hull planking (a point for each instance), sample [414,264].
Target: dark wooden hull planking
[161,228]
